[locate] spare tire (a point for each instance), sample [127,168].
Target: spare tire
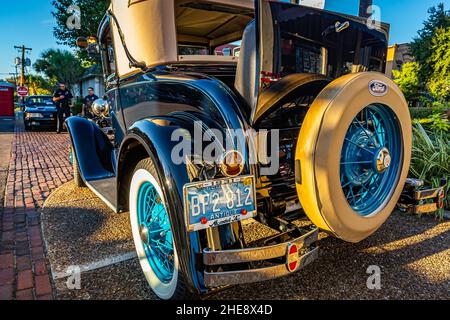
[353,155]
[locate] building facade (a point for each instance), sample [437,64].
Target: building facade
[398,55]
[93,77]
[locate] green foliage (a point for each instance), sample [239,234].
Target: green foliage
[431,158]
[408,80]
[422,46]
[428,112]
[60,66]
[77,106]
[439,83]
[92,12]
[39,85]
[436,122]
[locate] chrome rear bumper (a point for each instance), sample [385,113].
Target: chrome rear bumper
[295,254]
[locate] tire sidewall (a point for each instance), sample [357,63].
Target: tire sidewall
[162,290]
[349,96]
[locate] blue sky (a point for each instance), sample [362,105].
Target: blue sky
[29,22]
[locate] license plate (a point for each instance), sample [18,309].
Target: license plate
[219,202]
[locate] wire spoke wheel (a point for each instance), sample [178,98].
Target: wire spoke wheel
[353,155]
[371,158]
[156,233]
[153,233]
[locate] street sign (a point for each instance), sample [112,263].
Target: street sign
[22,91]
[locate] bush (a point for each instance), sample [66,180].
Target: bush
[428,112]
[431,158]
[77,107]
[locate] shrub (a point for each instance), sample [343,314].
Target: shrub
[431,158]
[437,122]
[428,112]
[77,107]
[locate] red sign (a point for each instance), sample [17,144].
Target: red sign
[22,91]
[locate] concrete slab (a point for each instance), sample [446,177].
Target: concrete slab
[83,233]
[123,281]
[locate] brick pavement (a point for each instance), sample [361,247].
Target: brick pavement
[39,164]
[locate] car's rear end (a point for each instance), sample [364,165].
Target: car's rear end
[314,80]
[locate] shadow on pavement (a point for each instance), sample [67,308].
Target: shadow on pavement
[7,124]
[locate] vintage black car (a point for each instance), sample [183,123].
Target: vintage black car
[40,111]
[303,122]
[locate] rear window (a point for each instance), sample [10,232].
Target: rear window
[306,41]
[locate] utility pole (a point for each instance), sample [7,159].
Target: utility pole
[23,50]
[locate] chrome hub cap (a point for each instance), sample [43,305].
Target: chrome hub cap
[383,160]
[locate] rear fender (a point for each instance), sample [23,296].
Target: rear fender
[92,149]
[156,137]
[293,86]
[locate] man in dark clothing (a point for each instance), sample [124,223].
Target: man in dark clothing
[88,101]
[63,99]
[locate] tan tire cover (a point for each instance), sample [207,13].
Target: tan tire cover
[319,152]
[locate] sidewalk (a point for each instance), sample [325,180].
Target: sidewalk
[38,165]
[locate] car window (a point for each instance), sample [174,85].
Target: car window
[40,101]
[108,53]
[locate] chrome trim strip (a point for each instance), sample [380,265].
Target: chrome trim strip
[213,258]
[218,279]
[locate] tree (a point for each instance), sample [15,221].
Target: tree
[421,47]
[408,80]
[91,15]
[60,65]
[39,86]
[92,12]
[439,83]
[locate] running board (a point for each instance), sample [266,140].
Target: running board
[105,189]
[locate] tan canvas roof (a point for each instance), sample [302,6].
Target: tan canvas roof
[154,28]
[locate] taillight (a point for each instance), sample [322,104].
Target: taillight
[269,77]
[232,163]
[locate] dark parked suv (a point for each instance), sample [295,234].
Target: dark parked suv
[40,111]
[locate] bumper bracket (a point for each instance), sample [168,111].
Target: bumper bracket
[295,255]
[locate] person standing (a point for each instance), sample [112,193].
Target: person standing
[87,103]
[63,99]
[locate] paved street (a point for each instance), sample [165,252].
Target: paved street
[38,164]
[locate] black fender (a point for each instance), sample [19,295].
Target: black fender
[156,139]
[270,99]
[155,135]
[92,149]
